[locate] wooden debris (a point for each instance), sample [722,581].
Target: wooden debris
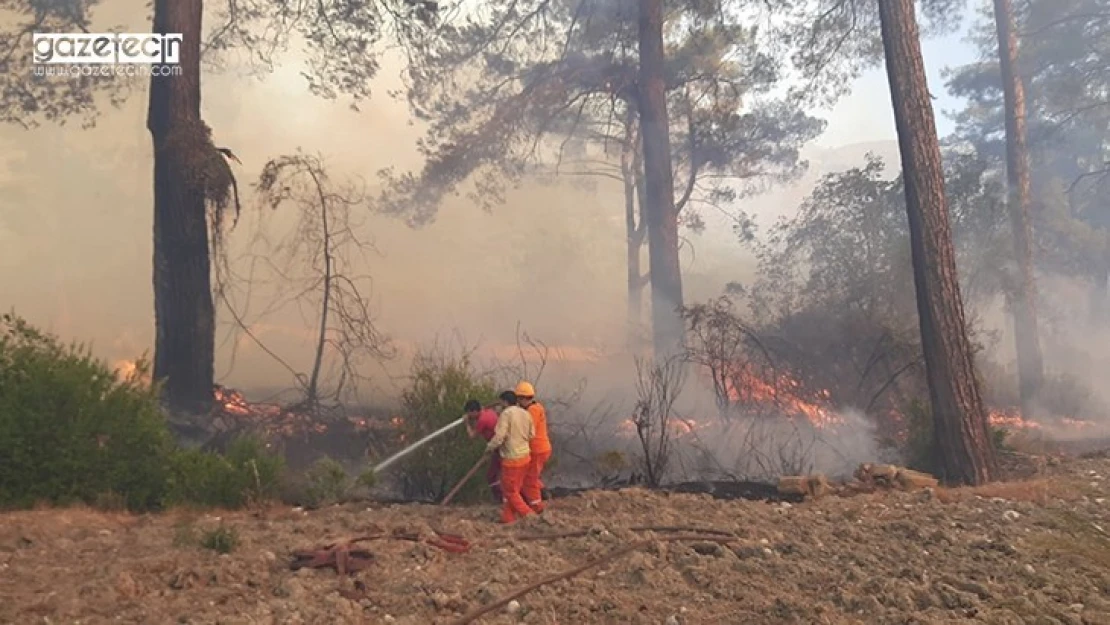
[914,480]
[794,484]
[892,477]
[813,486]
[869,478]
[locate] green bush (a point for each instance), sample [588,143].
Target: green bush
[919,450]
[222,539]
[327,482]
[246,473]
[70,430]
[435,397]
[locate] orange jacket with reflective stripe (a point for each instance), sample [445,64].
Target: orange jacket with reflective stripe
[540,442]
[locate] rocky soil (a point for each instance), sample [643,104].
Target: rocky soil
[1012,553]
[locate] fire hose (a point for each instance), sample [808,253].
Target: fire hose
[466,478]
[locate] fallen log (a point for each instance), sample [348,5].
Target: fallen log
[813,486]
[794,484]
[909,479]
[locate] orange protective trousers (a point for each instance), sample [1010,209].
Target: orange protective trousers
[513,473]
[533,484]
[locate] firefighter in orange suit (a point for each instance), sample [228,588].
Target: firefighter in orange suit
[511,439]
[540,447]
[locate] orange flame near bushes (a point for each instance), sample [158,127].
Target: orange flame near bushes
[785,394]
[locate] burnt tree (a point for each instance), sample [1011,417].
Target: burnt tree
[1023,292]
[184,318]
[962,437]
[659,206]
[632,180]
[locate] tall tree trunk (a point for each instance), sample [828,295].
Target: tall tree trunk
[1024,304]
[312,394]
[631,166]
[184,318]
[1100,289]
[660,214]
[963,443]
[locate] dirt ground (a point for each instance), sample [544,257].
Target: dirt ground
[1031,552]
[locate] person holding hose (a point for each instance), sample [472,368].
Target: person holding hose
[483,422]
[512,441]
[540,448]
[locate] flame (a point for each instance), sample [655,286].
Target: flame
[679,427]
[398,424]
[274,418]
[1011,419]
[126,370]
[782,397]
[784,393]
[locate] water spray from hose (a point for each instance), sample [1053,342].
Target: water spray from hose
[417,445]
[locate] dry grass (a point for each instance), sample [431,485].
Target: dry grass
[1033,443]
[1075,537]
[1039,491]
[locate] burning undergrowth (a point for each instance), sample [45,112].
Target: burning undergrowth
[734,406]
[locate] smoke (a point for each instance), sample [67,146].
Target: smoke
[75,258]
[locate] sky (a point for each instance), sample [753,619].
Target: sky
[865,116]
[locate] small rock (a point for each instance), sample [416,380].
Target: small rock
[1029,569]
[953,599]
[513,607]
[1076,607]
[1011,515]
[708,549]
[126,586]
[671,620]
[388,618]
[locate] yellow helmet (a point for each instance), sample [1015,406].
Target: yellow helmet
[524,389]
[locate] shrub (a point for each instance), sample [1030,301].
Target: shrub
[327,482]
[246,473]
[918,451]
[222,539]
[70,430]
[435,397]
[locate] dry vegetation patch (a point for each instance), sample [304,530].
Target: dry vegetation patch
[1005,553]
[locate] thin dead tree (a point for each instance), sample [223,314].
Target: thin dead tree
[658,385]
[719,342]
[325,240]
